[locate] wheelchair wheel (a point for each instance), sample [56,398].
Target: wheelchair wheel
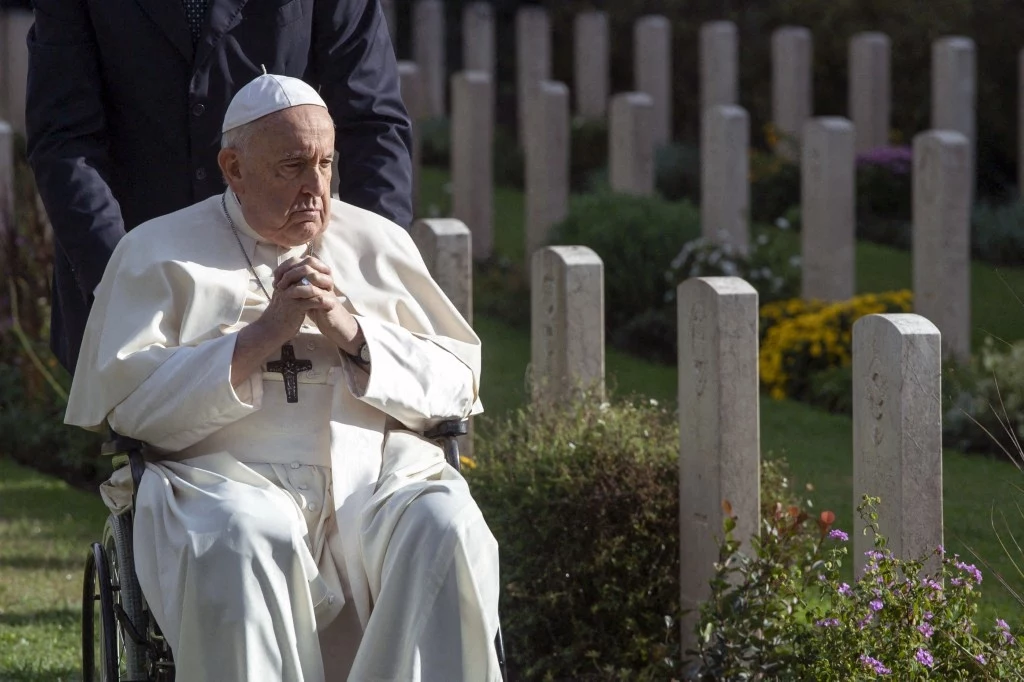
[129,610]
[99,644]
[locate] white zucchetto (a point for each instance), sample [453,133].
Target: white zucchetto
[265,95]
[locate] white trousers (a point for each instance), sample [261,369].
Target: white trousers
[238,565]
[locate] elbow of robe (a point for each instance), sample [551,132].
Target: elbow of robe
[188,398]
[412,379]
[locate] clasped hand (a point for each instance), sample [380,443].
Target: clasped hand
[304,286]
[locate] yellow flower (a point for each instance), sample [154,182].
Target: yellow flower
[466,462]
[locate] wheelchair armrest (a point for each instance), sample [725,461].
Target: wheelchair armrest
[124,450]
[446,429]
[446,434]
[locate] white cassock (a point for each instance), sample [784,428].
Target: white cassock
[308,541]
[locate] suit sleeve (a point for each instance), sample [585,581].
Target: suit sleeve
[68,147]
[354,63]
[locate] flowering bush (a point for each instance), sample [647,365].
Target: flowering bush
[583,498]
[770,269]
[985,412]
[885,195]
[784,613]
[801,338]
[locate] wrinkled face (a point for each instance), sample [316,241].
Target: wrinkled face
[282,174]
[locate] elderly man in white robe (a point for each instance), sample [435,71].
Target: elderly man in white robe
[280,353]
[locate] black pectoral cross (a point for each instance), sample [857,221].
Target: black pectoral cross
[289,368]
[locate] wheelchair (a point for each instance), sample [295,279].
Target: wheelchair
[121,641]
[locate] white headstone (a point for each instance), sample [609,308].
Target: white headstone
[828,187]
[631,144]
[652,63]
[719,64]
[792,86]
[719,428]
[954,93]
[478,37]
[410,83]
[942,236]
[897,433]
[870,89]
[725,176]
[472,144]
[446,247]
[428,43]
[547,164]
[592,64]
[533,59]
[567,322]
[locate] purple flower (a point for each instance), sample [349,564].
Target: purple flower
[980,658]
[956,582]
[970,569]
[873,554]
[897,160]
[928,615]
[924,658]
[836,534]
[942,550]
[828,623]
[864,621]
[876,605]
[926,630]
[845,590]
[874,664]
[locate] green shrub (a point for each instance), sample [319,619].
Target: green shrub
[588,153]
[985,408]
[677,172]
[435,141]
[583,500]
[774,186]
[781,611]
[637,238]
[997,233]
[831,389]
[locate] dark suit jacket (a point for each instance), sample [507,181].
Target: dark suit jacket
[124,114]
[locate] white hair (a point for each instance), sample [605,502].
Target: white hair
[239,138]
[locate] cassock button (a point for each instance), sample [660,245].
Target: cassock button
[201,174]
[330,599]
[303,486]
[311,507]
[198,109]
[295,465]
[310,345]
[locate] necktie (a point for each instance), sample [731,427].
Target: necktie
[195,11]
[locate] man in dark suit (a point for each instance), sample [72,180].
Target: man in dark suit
[126,97]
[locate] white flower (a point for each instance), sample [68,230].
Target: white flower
[714,257]
[729,269]
[653,402]
[782,223]
[762,239]
[794,261]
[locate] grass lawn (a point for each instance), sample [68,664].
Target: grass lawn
[45,531]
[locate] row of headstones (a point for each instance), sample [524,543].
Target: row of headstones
[953,70]
[897,413]
[652,63]
[941,193]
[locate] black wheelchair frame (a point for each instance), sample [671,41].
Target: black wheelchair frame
[130,646]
